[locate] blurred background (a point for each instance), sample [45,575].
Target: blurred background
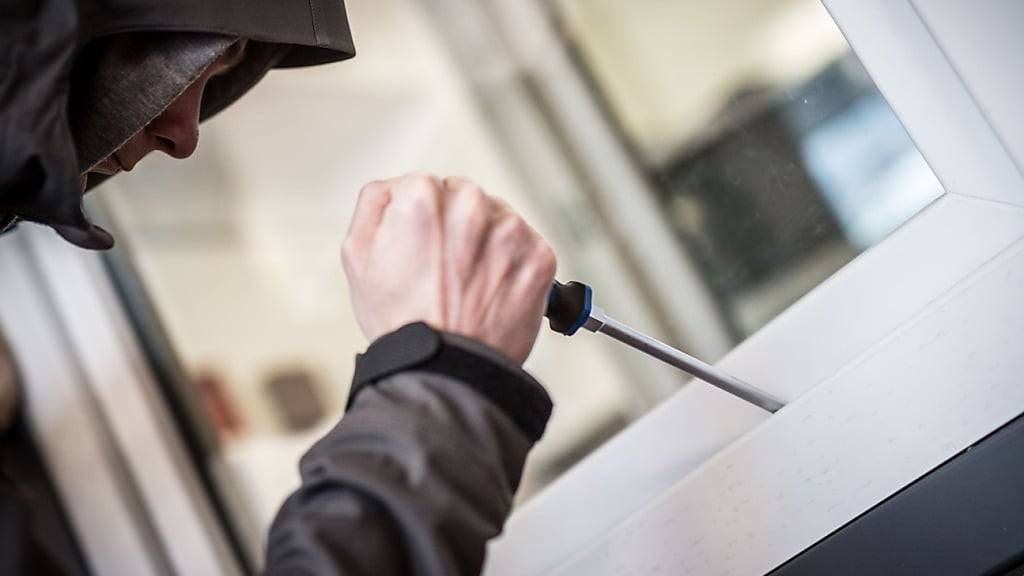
[703,164]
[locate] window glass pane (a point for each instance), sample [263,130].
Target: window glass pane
[774,155]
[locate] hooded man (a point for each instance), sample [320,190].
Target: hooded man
[447,283]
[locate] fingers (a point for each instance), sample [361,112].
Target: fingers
[403,209]
[467,222]
[537,274]
[415,195]
[373,201]
[445,252]
[419,193]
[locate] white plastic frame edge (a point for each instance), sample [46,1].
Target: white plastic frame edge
[907,65]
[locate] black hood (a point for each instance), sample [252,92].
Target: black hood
[41,41]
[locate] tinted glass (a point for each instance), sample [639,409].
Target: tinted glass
[773,154]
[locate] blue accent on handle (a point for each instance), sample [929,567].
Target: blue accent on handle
[584,314]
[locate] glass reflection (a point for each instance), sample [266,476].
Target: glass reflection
[774,155]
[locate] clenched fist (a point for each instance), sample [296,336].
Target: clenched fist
[445,253]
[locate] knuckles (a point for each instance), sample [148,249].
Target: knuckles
[371,188]
[474,225]
[546,260]
[510,233]
[416,199]
[419,195]
[421,188]
[476,198]
[473,207]
[542,263]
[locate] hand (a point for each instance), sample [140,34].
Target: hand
[446,253]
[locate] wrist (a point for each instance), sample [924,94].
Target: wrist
[419,347]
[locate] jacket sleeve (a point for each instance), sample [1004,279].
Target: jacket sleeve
[418,475]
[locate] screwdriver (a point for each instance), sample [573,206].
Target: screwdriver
[571,307]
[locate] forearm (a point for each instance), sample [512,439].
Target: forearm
[416,478]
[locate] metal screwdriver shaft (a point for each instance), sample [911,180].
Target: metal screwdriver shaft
[599,322]
[570,307]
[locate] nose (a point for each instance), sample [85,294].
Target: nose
[175,131]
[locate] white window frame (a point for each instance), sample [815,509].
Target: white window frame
[896,363]
[117,458]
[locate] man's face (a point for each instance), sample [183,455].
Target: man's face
[175,131]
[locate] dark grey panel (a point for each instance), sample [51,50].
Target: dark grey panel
[964,518]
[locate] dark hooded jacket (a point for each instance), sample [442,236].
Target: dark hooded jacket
[40,42]
[421,471]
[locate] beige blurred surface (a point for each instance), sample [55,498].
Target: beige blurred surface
[695,55]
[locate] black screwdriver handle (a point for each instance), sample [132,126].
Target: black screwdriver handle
[568,306]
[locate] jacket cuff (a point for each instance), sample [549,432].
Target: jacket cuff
[419,347]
